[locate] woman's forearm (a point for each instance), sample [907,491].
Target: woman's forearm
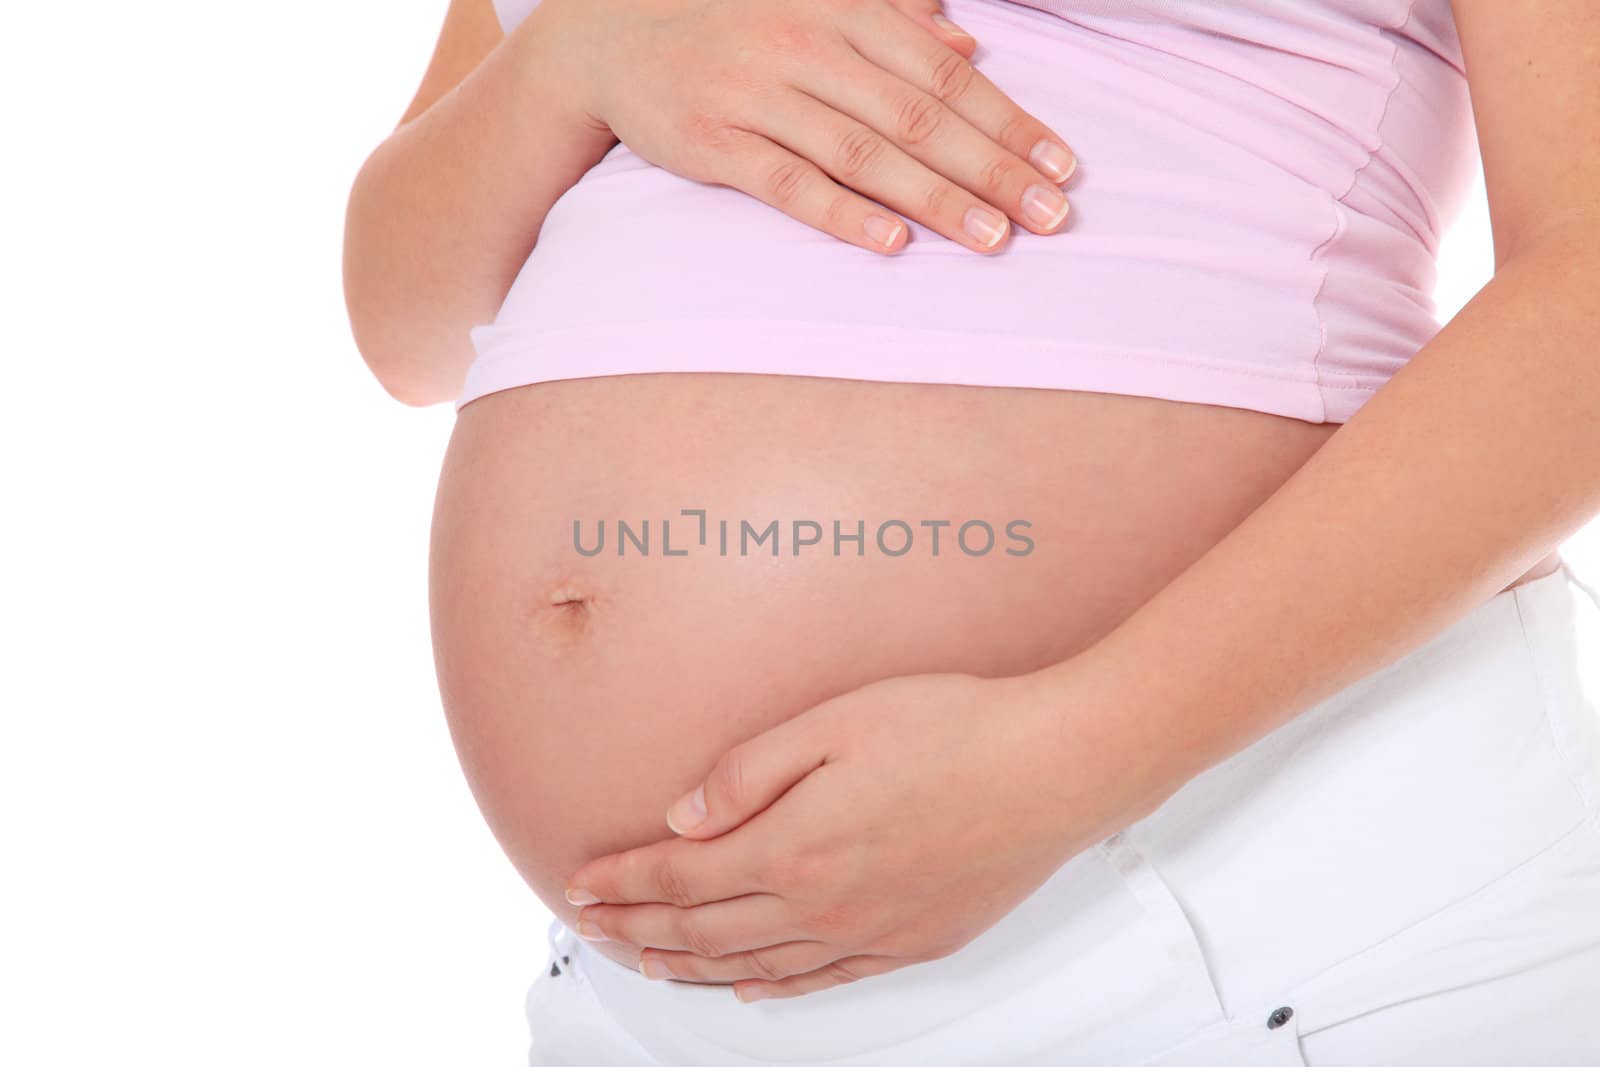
[444,212]
[1472,464]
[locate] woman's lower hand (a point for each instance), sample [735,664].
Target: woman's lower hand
[829,110]
[885,827]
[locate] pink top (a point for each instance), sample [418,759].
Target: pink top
[1255,219]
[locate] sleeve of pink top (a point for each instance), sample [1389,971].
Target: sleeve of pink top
[512,12]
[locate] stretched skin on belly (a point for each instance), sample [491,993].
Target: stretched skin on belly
[584,694]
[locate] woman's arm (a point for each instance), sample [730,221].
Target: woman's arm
[444,212]
[1476,460]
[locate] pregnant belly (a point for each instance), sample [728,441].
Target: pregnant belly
[586,690]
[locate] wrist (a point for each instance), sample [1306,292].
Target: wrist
[555,71]
[1105,754]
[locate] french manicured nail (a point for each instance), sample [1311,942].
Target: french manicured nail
[951,28]
[882,231]
[589,931]
[579,897]
[1055,161]
[748,996]
[688,812]
[984,226]
[653,969]
[1044,206]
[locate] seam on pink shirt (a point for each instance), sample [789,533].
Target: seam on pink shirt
[1355,180]
[510,357]
[494,336]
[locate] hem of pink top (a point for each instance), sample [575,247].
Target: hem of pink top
[511,357]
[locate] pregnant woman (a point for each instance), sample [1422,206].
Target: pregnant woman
[892,618]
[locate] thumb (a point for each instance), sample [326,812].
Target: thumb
[745,781]
[929,14]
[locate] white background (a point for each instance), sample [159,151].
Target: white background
[234,830]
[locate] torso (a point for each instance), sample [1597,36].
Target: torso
[585,694]
[1237,238]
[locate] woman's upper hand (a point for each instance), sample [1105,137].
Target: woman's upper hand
[885,827]
[829,110]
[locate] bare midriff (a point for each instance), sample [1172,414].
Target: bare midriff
[586,690]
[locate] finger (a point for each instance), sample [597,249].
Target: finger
[863,159]
[876,33]
[929,14]
[746,779]
[770,963]
[929,132]
[839,972]
[676,871]
[799,188]
[720,928]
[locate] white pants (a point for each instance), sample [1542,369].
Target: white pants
[1406,874]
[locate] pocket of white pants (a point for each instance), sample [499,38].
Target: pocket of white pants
[1540,912]
[561,1030]
[543,1016]
[1169,922]
[1560,622]
[567,1024]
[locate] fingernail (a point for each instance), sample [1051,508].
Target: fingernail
[654,969]
[688,812]
[1054,160]
[951,28]
[985,226]
[881,230]
[749,995]
[579,897]
[589,931]
[1044,205]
